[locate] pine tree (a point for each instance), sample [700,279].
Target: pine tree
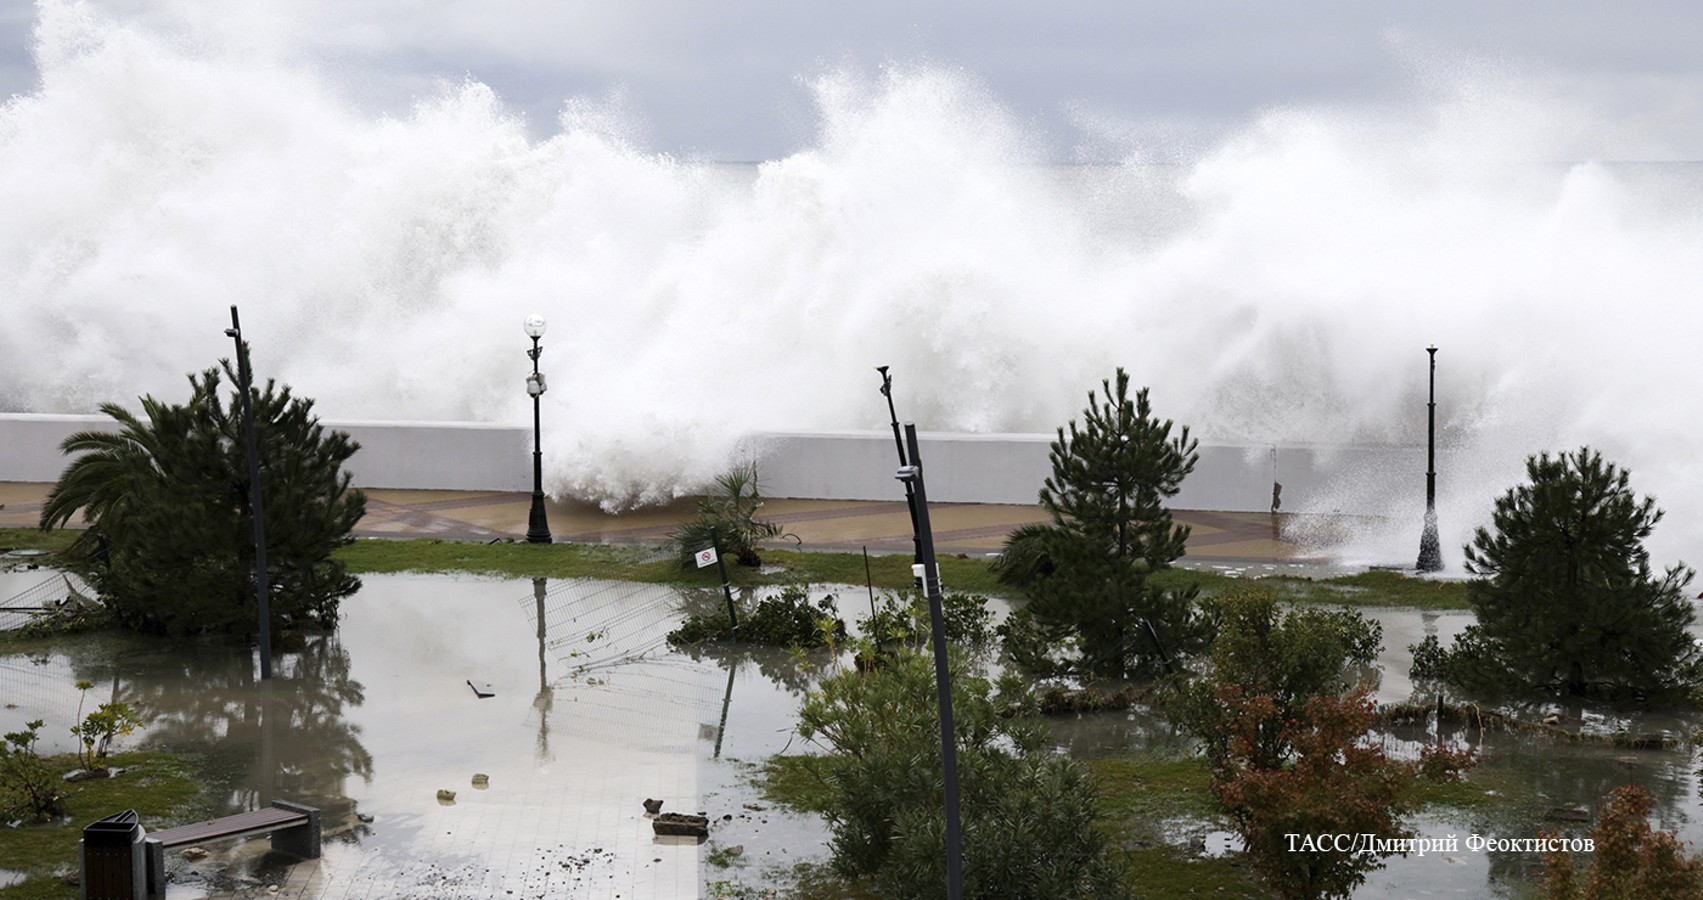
[1086,572]
[170,542]
[1566,599]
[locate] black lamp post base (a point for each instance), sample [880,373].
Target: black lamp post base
[537,524]
[1430,547]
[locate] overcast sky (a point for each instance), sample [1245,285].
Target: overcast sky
[725,79]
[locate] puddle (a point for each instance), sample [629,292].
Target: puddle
[589,714]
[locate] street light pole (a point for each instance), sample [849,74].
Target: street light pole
[537,523]
[1430,548]
[911,475]
[262,591]
[898,441]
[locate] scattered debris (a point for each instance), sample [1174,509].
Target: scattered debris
[446,795]
[1567,814]
[194,853]
[681,824]
[481,780]
[481,689]
[653,806]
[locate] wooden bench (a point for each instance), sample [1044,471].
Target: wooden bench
[294,828]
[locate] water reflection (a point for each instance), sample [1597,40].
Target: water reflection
[593,713]
[288,738]
[545,700]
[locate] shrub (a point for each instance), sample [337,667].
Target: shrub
[98,729]
[1632,861]
[727,516]
[1284,734]
[1027,813]
[1289,657]
[903,618]
[786,620]
[28,791]
[1329,782]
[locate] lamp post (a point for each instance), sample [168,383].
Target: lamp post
[928,571]
[262,591]
[537,524]
[899,441]
[1430,548]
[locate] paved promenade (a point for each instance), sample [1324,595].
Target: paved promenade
[969,528]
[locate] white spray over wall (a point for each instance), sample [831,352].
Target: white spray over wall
[1277,288]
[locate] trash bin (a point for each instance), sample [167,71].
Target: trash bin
[112,859]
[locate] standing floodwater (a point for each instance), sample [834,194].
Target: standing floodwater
[590,715]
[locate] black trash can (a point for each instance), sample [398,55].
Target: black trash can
[113,862]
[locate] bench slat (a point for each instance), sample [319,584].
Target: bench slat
[255,822]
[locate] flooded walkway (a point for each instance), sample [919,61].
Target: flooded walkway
[969,528]
[588,717]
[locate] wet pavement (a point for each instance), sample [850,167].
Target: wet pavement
[881,526]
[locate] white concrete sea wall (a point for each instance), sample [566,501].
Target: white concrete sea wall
[1010,468]
[464,456]
[845,465]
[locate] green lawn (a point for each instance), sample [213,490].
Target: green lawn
[971,575]
[164,788]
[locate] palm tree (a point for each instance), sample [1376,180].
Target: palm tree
[727,516]
[166,497]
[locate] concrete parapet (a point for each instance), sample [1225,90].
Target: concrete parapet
[827,465]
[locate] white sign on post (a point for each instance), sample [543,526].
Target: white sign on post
[706,557]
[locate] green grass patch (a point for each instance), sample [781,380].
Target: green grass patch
[631,563]
[887,571]
[1372,588]
[36,539]
[165,789]
[1145,789]
[1162,871]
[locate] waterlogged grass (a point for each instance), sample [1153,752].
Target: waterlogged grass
[1372,588]
[893,571]
[164,788]
[35,539]
[1137,789]
[521,560]
[1138,796]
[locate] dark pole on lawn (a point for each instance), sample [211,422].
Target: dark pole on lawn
[1430,548]
[898,441]
[537,525]
[911,475]
[262,592]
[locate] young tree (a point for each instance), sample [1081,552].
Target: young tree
[1565,596]
[1086,572]
[727,516]
[170,542]
[1284,733]
[1288,657]
[1028,812]
[1632,861]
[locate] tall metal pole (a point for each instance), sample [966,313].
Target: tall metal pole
[1430,547]
[262,591]
[911,475]
[537,524]
[898,441]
